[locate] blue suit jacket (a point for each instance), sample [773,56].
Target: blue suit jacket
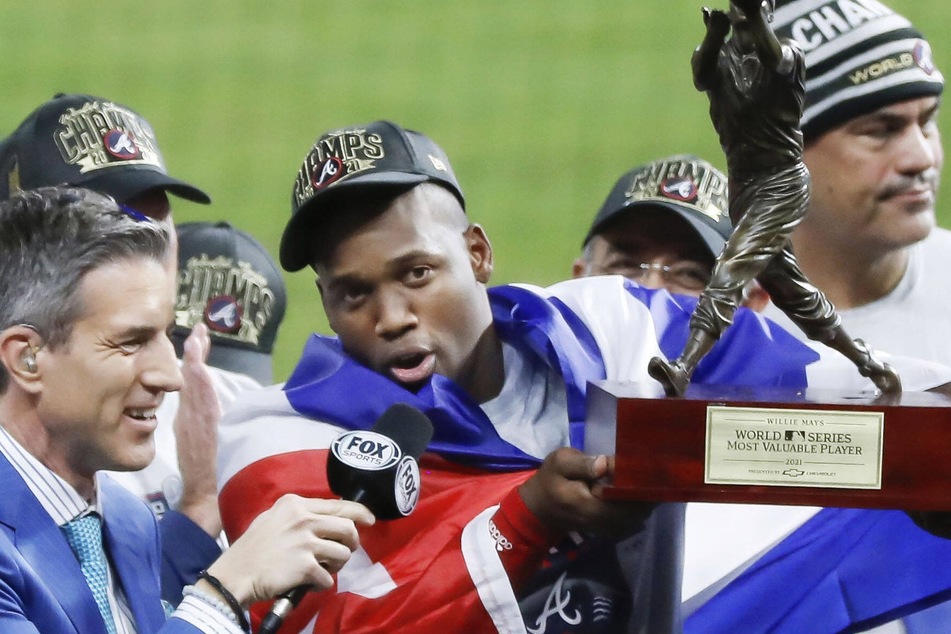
[41,586]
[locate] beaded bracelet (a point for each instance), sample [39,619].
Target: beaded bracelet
[232,602]
[211,601]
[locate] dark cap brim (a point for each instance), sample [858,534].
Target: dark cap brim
[297,240]
[257,365]
[712,238]
[126,183]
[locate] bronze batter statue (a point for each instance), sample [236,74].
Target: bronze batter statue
[755,83]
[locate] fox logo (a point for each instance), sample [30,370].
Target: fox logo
[368,450]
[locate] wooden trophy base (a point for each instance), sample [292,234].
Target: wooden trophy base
[774,446]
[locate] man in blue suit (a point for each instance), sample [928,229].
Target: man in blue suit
[86,303]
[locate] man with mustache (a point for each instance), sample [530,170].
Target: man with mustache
[754,81]
[873,149]
[868,240]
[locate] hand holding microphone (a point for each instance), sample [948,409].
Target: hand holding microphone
[376,467]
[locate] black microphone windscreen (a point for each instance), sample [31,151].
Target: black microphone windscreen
[407,427]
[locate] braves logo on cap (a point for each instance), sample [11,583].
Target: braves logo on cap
[679,188]
[223,314]
[120,144]
[335,156]
[236,300]
[327,172]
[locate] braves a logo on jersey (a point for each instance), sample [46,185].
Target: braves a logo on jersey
[223,314]
[121,145]
[679,188]
[579,588]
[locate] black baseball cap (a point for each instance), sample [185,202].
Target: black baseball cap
[379,154]
[685,184]
[89,142]
[227,280]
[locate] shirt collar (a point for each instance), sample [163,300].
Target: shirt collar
[54,494]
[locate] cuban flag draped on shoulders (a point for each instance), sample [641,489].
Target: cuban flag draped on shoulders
[441,569]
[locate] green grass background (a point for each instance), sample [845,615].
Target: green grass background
[540,104]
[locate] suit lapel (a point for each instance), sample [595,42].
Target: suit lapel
[131,538]
[45,549]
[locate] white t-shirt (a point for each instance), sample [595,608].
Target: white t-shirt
[913,320]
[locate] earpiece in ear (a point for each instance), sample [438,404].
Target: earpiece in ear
[29,361]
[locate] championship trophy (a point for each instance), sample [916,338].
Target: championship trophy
[778,446]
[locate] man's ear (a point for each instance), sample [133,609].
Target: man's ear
[19,350]
[320,289]
[323,303]
[480,252]
[578,267]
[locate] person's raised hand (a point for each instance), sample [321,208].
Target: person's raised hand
[717,23]
[196,434]
[297,542]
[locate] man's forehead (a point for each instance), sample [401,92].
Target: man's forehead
[112,292]
[356,263]
[423,218]
[911,109]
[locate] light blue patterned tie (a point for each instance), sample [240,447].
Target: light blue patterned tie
[85,538]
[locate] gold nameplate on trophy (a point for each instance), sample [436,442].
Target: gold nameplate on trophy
[773,445]
[790,447]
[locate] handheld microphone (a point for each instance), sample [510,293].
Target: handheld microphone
[376,467]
